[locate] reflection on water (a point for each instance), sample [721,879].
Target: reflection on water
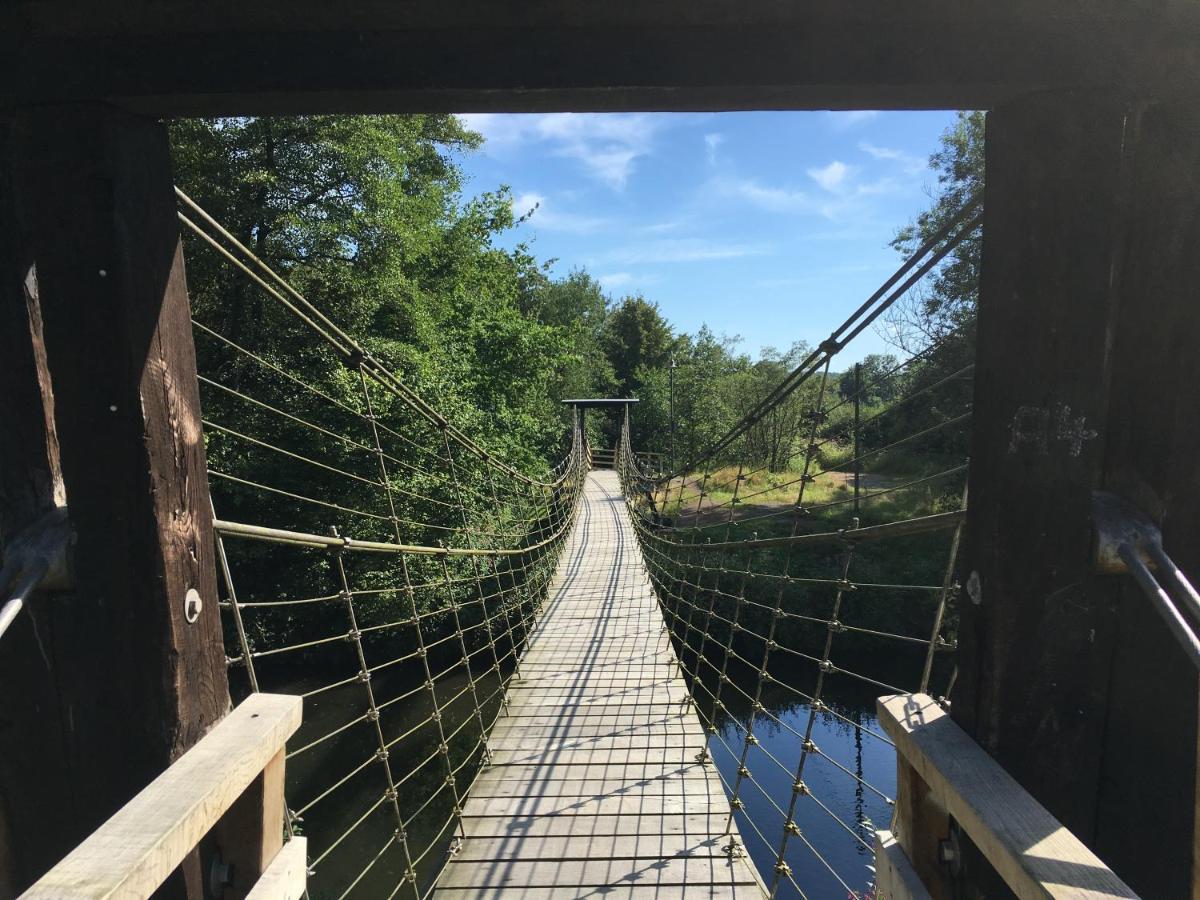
[849,778]
[333,783]
[338,786]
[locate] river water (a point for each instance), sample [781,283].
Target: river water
[350,824]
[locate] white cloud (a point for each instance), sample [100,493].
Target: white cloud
[606,145]
[772,199]
[684,250]
[540,213]
[842,194]
[909,163]
[615,280]
[832,177]
[843,119]
[712,141]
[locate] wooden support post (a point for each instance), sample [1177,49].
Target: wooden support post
[32,832]
[251,834]
[1146,823]
[139,682]
[1066,677]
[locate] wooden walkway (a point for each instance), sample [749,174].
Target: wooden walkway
[594,789]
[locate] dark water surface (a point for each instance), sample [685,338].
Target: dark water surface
[350,824]
[849,781]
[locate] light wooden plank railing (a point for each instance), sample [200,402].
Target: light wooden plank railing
[942,774]
[231,783]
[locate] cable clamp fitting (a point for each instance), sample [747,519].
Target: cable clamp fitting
[800,788]
[791,827]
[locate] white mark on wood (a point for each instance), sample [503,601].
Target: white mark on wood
[1037,426]
[974,588]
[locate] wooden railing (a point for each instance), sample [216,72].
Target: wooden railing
[944,777]
[602,458]
[229,783]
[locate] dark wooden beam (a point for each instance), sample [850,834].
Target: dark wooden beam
[1152,450]
[33,831]
[190,58]
[141,683]
[1068,678]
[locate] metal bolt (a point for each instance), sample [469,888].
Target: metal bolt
[220,876]
[192,604]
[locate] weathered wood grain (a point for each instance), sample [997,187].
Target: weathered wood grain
[1033,852]
[286,877]
[135,850]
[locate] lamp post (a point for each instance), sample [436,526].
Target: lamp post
[672,412]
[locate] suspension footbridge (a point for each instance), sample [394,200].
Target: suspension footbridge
[548,681]
[596,779]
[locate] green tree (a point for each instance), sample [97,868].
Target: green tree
[364,215]
[949,299]
[637,338]
[703,363]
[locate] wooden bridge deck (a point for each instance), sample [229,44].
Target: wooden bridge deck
[594,788]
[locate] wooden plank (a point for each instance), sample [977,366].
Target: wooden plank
[286,877]
[250,835]
[895,878]
[629,771]
[593,784]
[626,786]
[1032,851]
[680,755]
[697,826]
[585,846]
[596,873]
[611,892]
[136,849]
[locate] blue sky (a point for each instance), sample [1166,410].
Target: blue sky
[769,225]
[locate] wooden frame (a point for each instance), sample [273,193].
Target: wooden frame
[232,779]
[1035,855]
